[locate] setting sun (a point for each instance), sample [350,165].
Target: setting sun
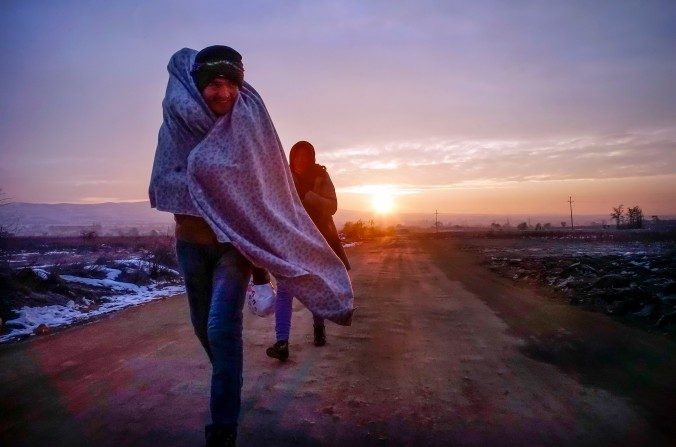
[382,202]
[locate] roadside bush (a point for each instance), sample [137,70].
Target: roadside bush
[102,261]
[164,255]
[160,256]
[26,280]
[134,275]
[25,287]
[359,230]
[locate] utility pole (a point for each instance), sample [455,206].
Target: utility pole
[570,202]
[436,221]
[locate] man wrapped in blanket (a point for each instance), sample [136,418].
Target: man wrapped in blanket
[220,169]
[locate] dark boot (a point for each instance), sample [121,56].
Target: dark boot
[279,350]
[320,335]
[220,436]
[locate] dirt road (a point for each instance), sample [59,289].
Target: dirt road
[428,361]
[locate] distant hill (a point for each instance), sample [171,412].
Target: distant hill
[31,219]
[84,214]
[112,217]
[71,218]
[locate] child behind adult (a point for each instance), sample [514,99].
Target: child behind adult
[318,195]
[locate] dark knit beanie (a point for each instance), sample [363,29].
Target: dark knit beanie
[215,61]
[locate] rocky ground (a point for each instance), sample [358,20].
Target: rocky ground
[633,280]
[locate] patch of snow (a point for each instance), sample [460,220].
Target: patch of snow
[109,283]
[640,264]
[43,274]
[31,317]
[145,265]
[565,282]
[56,315]
[645,312]
[111,273]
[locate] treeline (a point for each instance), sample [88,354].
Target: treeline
[359,230]
[633,218]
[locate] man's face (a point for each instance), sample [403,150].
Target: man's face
[220,95]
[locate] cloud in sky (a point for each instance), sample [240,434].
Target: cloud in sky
[445,162]
[415,94]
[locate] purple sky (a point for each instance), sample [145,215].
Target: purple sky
[481,107]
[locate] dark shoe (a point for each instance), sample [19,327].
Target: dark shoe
[279,350]
[220,436]
[320,335]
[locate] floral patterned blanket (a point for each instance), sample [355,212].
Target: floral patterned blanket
[233,172]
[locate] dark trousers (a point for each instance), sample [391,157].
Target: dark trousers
[216,278]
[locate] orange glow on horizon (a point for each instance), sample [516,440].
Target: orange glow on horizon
[382,203]
[592,196]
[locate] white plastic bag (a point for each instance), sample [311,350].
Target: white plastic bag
[260,299]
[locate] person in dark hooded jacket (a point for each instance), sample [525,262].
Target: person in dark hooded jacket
[318,195]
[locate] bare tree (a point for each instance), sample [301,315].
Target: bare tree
[618,214]
[635,217]
[88,235]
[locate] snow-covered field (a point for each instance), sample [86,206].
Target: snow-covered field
[57,315]
[108,292]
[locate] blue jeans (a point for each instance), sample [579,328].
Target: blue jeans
[216,278]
